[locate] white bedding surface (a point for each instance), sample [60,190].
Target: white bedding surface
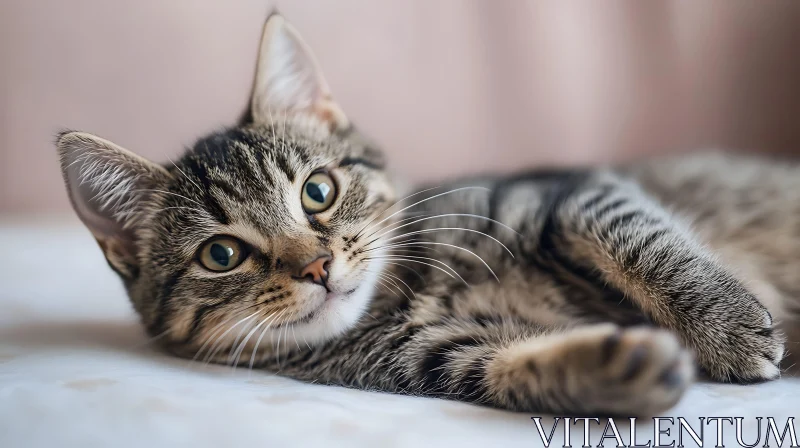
[76,370]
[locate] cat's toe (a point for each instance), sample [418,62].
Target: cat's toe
[761,366]
[645,372]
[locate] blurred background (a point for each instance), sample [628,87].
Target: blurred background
[446,86]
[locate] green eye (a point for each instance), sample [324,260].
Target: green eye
[222,253]
[319,191]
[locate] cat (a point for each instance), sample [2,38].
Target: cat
[280,244]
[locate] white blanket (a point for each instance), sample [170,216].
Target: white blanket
[77,370]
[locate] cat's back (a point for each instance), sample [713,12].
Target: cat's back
[726,194]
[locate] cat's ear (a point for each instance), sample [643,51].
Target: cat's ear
[289,80]
[107,186]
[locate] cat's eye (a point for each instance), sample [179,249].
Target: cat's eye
[222,253]
[319,191]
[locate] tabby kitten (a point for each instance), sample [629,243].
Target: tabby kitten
[278,244]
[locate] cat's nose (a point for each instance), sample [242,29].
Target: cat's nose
[316,271]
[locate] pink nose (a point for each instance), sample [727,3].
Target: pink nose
[317,271]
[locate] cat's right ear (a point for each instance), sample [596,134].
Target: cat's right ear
[289,82]
[108,186]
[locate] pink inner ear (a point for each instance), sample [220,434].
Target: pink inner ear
[289,80]
[104,182]
[116,242]
[100,224]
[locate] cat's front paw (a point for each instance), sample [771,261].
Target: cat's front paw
[742,344]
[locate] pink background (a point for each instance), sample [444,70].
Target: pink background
[447,86]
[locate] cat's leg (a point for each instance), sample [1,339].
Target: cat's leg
[609,226]
[586,370]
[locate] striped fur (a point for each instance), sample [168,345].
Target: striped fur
[569,291]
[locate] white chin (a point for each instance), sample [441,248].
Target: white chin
[338,314]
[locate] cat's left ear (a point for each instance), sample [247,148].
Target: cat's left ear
[109,188]
[289,81]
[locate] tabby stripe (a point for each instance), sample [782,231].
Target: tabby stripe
[318,227]
[164,295]
[398,342]
[647,242]
[597,198]
[230,190]
[557,255]
[283,164]
[252,164]
[259,157]
[433,364]
[301,359]
[259,149]
[610,207]
[198,317]
[211,203]
[621,220]
[473,385]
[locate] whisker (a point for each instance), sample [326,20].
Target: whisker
[261,336]
[438,229]
[238,353]
[402,245]
[184,174]
[169,192]
[415,257]
[466,250]
[152,339]
[236,341]
[465,215]
[197,210]
[410,269]
[294,336]
[408,258]
[428,199]
[409,218]
[379,282]
[278,350]
[389,208]
[217,328]
[385,285]
[215,348]
[401,250]
[286,331]
[271,121]
[396,277]
[284,128]
[390,280]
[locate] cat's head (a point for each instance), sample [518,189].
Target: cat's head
[261,228]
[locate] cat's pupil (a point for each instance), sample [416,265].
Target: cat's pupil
[317,192]
[221,254]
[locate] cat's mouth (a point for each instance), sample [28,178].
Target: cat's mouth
[311,315]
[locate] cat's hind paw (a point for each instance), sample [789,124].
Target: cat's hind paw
[600,369]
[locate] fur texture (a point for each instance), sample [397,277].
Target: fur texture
[569,291]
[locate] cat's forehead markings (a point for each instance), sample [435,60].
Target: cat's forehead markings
[249,153]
